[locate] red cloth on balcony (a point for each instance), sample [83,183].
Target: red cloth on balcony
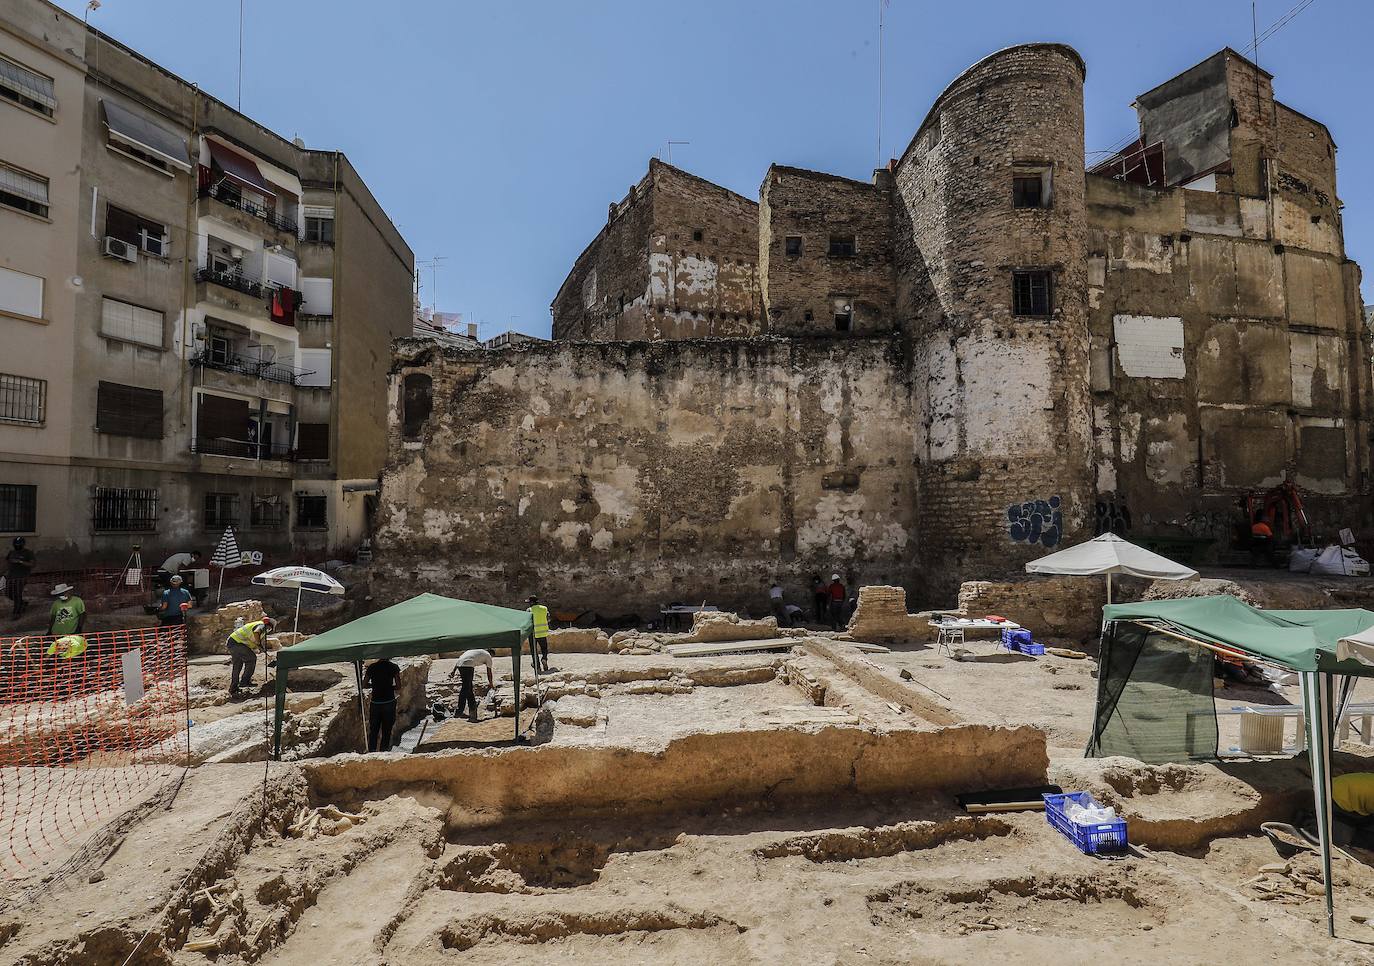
[283,304]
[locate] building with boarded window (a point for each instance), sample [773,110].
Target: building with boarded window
[988,349]
[188,302]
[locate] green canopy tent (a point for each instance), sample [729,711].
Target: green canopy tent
[427,624]
[1154,688]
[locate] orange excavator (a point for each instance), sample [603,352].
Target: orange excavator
[1281,508]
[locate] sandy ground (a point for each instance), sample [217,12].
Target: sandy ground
[840,881]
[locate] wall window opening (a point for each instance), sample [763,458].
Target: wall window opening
[416,403]
[842,246]
[120,508]
[27,88]
[23,191]
[221,510]
[1032,293]
[23,400]
[128,411]
[18,508]
[793,246]
[268,512]
[136,231]
[311,511]
[844,313]
[696,235]
[319,225]
[1030,186]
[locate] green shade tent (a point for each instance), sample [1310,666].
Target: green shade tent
[1154,688]
[427,624]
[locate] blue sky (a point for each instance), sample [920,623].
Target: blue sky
[496,133]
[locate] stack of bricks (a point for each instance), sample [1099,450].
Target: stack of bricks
[881,616]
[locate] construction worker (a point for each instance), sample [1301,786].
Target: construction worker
[838,600]
[173,604]
[244,645]
[19,563]
[541,633]
[466,668]
[381,679]
[68,615]
[67,647]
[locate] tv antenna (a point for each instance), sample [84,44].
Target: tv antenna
[670,148]
[434,264]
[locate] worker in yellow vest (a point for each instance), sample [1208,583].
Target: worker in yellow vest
[67,647]
[540,613]
[244,645]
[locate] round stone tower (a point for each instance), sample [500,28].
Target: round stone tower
[992,289]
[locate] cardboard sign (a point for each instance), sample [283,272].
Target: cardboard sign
[250,558]
[131,664]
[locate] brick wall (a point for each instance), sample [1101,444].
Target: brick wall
[803,291]
[1060,610]
[675,260]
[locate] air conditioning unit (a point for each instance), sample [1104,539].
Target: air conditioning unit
[235,252]
[118,248]
[153,244]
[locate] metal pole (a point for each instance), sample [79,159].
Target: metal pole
[296,628]
[362,713]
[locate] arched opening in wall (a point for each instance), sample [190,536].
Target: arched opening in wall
[417,402]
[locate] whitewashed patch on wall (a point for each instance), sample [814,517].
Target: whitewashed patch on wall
[1150,347]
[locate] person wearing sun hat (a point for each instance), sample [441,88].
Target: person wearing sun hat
[68,614]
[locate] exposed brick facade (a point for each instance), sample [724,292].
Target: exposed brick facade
[1035,353]
[825,252]
[676,260]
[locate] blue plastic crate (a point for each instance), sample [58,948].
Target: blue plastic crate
[1030,647]
[1090,839]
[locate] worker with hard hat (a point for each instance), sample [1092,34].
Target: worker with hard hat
[245,644]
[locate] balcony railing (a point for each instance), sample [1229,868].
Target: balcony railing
[241,448]
[234,278]
[271,371]
[228,193]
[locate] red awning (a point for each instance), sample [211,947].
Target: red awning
[241,169]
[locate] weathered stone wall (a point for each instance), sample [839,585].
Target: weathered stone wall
[1055,609]
[804,290]
[1223,362]
[622,476]
[1003,438]
[676,260]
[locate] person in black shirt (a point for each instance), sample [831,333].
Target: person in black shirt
[20,561]
[382,677]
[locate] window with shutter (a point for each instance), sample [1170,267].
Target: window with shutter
[27,87]
[131,323]
[224,427]
[23,190]
[128,411]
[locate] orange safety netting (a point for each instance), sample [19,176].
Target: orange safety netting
[83,738]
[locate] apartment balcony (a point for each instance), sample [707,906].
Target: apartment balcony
[237,365]
[233,288]
[232,197]
[242,449]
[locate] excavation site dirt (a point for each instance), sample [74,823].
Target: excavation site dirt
[726,796]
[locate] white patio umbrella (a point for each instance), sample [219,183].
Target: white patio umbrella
[1109,554]
[301,579]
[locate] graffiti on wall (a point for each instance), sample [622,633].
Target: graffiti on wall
[1113,516]
[1036,522]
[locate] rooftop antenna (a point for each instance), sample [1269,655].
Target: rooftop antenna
[238,106]
[434,264]
[670,149]
[882,8]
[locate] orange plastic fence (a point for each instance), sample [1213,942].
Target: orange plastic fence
[84,738]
